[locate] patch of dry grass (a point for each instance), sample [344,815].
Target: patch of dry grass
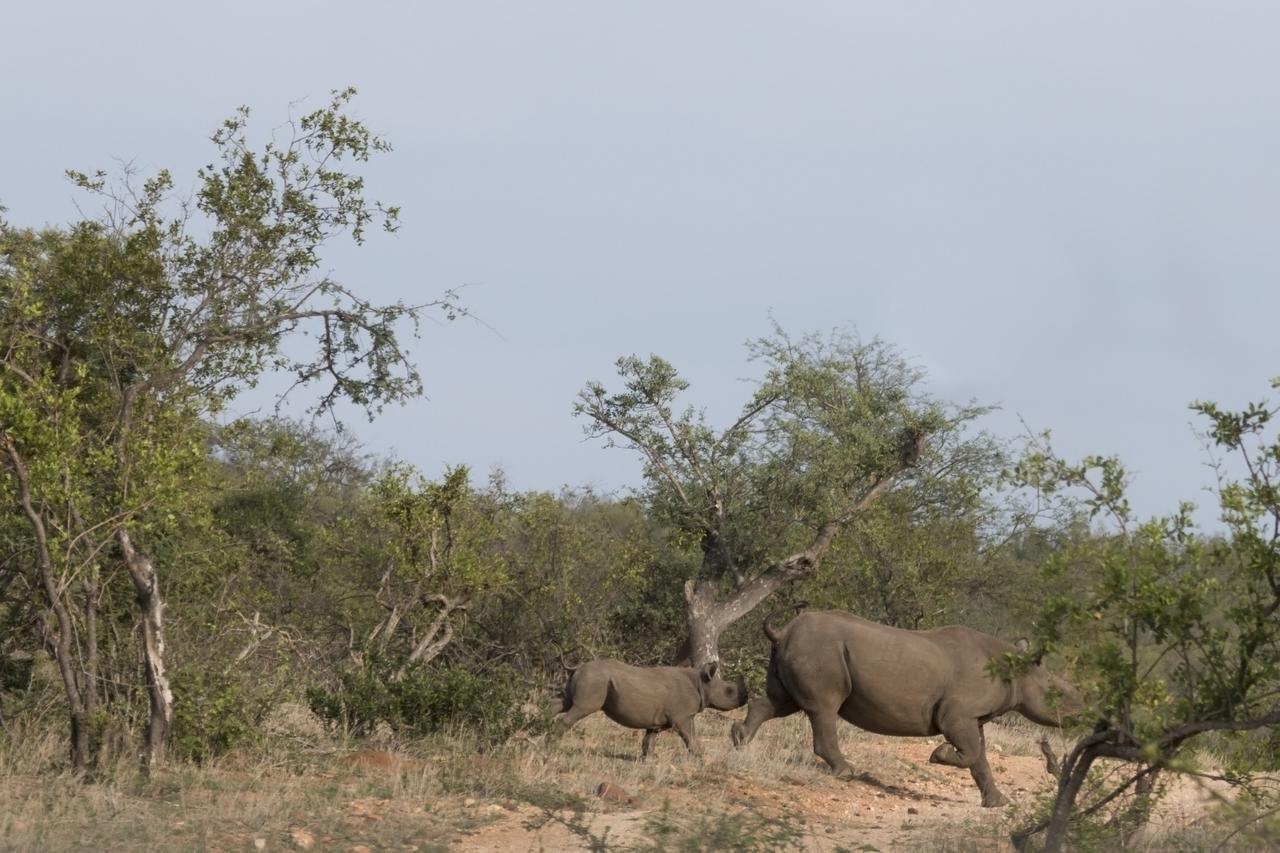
[450,792]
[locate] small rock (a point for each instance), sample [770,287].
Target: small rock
[469,801]
[360,848]
[493,808]
[912,810]
[302,839]
[612,793]
[260,843]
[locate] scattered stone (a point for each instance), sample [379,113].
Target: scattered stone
[302,839]
[912,810]
[260,843]
[612,793]
[360,848]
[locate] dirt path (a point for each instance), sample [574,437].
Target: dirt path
[909,805]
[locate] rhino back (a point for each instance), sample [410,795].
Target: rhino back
[642,697]
[884,679]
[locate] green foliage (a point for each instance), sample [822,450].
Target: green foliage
[214,712]
[124,334]
[1173,630]
[484,702]
[827,418]
[424,701]
[356,705]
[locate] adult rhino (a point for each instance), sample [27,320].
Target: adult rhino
[653,698]
[892,681]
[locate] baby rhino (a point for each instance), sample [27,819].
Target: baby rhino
[651,698]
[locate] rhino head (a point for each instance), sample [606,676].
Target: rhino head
[1046,698]
[718,693]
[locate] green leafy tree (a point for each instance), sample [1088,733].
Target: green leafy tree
[833,425]
[1175,631]
[122,332]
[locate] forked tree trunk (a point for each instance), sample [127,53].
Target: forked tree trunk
[709,613]
[151,606]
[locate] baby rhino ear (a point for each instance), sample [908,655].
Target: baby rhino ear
[708,670]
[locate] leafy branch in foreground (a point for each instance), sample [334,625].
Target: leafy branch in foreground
[1174,629]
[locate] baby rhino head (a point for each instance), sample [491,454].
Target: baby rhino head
[718,693]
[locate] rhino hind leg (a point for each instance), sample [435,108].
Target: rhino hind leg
[583,701]
[646,745]
[826,742]
[759,711]
[968,749]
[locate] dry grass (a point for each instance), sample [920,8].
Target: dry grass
[448,793]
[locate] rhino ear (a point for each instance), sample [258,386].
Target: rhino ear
[709,670]
[1023,645]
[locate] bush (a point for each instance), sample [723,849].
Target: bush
[213,712]
[361,700]
[424,701]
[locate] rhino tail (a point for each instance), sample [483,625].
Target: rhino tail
[568,670]
[775,634]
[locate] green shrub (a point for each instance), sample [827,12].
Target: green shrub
[213,712]
[360,701]
[424,701]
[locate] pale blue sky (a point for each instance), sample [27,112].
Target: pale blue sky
[1069,209]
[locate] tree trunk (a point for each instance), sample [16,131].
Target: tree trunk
[709,614]
[1065,804]
[62,650]
[91,641]
[147,587]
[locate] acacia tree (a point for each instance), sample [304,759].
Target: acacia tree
[124,329]
[1175,631]
[834,423]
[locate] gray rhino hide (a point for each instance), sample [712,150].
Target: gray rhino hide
[650,698]
[834,665]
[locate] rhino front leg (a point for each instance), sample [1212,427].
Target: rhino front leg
[826,742]
[946,754]
[689,734]
[968,749]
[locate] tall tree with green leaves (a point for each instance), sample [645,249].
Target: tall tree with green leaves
[122,331]
[833,425]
